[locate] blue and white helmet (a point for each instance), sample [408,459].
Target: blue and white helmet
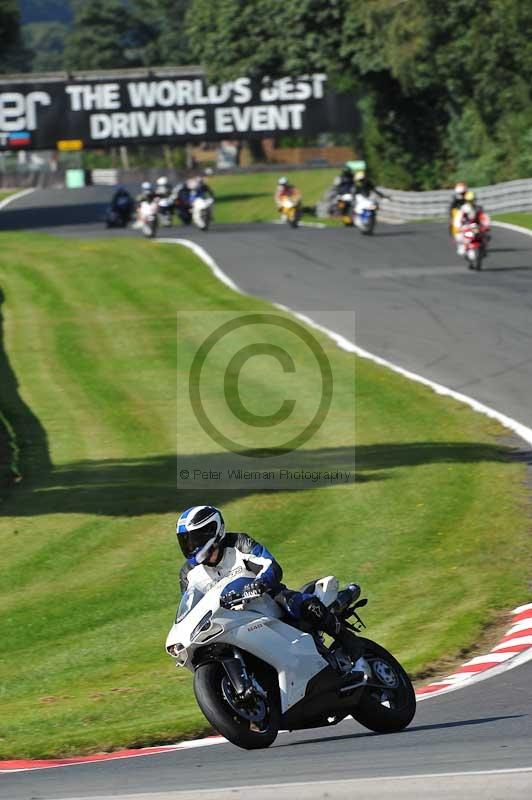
[199,529]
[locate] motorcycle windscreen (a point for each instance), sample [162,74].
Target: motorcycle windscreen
[190,599]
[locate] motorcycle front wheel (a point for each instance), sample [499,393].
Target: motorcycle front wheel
[388,704]
[251,726]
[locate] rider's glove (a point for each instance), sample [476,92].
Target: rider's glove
[259,586]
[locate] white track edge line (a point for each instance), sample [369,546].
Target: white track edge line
[511,227]
[7,200]
[521,430]
[348,781]
[520,609]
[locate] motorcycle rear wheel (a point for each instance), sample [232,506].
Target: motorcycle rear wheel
[389,704]
[210,696]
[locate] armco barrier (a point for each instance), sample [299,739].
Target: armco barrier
[509,196]
[104,177]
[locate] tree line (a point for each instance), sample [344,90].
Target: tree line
[443,86]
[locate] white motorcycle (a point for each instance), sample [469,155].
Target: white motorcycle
[149,218]
[256,671]
[365,213]
[166,211]
[202,212]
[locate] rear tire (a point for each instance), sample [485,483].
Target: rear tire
[397,693]
[210,698]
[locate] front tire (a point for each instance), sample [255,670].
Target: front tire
[212,699]
[389,704]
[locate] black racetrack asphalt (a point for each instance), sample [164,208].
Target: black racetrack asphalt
[417,305]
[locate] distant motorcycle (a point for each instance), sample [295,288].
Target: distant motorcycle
[474,239]
[149,217]
[290,210]
[202,212]
[119,214]
[365,214]
[344,208]
[166,211]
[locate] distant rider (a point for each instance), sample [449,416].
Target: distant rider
[345,182]
[200,188]
[163,188]
[122,203]
[364,186]
[286,189]
[212,554]
[181,196]
[472,213]
[457,202]
[147,195]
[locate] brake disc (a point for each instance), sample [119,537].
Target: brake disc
[253,709]
[385,673]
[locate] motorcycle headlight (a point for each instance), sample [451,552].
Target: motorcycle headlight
[203,625]
[211,632]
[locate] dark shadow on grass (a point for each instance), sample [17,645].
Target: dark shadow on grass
[411,729]
[237,196]
[135,487]
[148,485]
[33,456]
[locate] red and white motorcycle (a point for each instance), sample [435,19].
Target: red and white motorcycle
[475,237]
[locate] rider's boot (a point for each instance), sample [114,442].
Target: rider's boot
[319,617]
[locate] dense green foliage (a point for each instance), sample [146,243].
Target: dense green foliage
[46,42]
[95,34]
[101,37]
[14,56]
[444,87]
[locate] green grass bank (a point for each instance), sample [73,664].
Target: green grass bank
[435,527]
[249,197]
[523,218]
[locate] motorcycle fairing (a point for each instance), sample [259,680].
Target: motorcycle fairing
[288,650]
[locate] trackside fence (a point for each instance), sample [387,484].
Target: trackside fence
[508,196]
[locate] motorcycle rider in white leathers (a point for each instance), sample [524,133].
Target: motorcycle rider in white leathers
[212,554]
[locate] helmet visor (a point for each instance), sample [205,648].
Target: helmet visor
[193,541]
